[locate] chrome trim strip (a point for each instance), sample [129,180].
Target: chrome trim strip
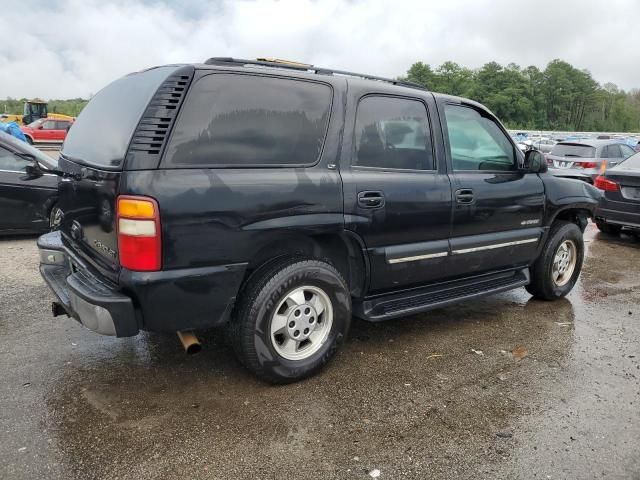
[417,257]
[495,245]
[23,172]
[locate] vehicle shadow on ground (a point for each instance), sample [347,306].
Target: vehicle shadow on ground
[435,369]
[624,239]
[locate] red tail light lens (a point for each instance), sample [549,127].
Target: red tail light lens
[139,234]
[605,184]
[587,164]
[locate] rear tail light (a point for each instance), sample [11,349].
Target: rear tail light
[605,184]
[587,164]
[139,235]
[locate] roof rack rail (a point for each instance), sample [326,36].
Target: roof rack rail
[304,67]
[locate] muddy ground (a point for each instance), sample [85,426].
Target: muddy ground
[504,387]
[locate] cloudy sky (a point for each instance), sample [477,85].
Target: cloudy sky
[71,48]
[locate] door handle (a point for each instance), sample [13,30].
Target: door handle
[370,199]
[464,196]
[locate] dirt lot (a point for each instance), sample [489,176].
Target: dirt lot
[505,387]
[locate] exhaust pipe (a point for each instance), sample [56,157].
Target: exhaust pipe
[190,342]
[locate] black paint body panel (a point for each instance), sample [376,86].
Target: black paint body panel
[220,224]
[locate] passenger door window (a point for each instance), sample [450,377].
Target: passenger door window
[626,151]
[392,133]
[614,152]
[49,125]
[477,142]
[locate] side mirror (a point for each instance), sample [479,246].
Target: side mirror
[32,171]
[40,127]
[534,162]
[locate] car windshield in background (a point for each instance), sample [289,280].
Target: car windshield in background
[101,134]
[631,163]
[35,123]
[573,150]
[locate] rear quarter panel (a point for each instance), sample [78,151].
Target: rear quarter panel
[222,216]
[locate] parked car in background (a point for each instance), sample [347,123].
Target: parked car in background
[620,206]
[27,205]
[583,159]
[46,131]
[544,144]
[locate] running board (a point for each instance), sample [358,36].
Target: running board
[395,305]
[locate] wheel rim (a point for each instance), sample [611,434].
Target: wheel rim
[564,263]
[55,218]
[301,323]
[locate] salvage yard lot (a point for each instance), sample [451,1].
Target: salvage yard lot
[504,387]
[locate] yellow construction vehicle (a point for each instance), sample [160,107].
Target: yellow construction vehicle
[33,110]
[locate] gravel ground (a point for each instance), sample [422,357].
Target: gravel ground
[504,387]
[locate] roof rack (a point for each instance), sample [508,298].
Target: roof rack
[304,67]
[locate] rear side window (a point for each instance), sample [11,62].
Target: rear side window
[244,120]
[477,142]
[614,151]
[627,151]
[393,133]
[101,134]
[573,150]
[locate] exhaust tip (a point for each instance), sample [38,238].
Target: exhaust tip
[190,342]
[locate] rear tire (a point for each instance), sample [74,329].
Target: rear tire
[290,320]
[608,228]
[556,270]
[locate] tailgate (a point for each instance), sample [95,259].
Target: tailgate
[87,198]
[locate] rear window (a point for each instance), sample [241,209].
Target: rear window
[573,150]
[101,134]
[245,120]
[631,163]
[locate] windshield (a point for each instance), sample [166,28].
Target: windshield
[19,146]
[101,134]
[573,150]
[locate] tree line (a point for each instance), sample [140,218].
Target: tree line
[71,107]
[560,97]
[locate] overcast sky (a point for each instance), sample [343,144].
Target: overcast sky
[72,48]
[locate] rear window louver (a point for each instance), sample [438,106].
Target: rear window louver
[151,134]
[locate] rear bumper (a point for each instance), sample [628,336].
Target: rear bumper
[618,213]
[588,176]
[164,301]
[95,304]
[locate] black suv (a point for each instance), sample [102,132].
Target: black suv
[278,199]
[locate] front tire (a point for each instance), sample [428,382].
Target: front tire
[290,320]
[558,267]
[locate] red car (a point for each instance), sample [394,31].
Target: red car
[46,130]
